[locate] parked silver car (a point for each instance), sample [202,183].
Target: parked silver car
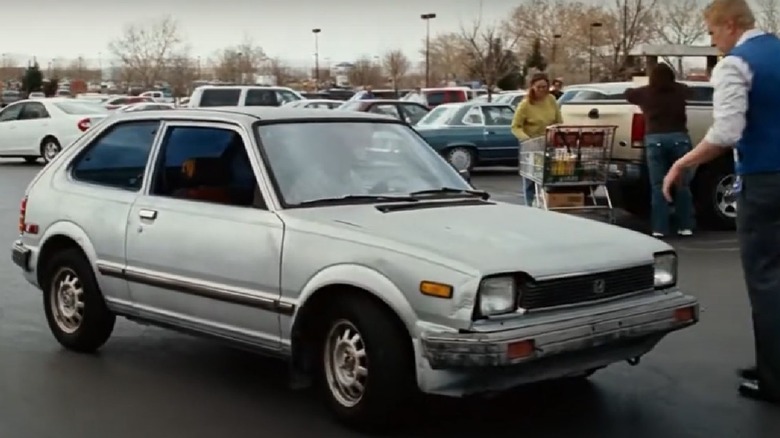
[342,243]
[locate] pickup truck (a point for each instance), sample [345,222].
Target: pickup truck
[604,104]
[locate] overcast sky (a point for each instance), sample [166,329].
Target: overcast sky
[350,28]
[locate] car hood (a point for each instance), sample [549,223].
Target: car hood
[490,237]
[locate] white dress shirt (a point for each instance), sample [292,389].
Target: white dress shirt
[731,80]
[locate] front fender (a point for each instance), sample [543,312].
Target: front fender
[364,278]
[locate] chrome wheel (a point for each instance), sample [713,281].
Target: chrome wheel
[346,363]
[67,300]
[725,201]
[460,159]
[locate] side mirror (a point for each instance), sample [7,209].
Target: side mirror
[466,175]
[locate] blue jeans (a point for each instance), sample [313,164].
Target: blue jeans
[662,151]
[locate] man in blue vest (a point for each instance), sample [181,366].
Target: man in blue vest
[746,116]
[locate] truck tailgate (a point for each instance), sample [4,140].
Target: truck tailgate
[618,114]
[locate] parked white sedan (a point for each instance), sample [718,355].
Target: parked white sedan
[36,128]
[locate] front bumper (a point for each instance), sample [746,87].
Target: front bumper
[541,337]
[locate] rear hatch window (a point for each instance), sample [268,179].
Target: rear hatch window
[220,97]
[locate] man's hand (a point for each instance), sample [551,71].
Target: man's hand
[673,177]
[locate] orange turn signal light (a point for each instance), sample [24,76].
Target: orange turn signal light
[433,289]
[520,349]
[685,314]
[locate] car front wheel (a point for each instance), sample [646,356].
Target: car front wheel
[75,310]
[367,365]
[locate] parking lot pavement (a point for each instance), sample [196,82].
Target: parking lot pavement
[148,382]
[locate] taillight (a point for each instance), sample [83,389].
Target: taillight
[84,124]
[638,131]
[22,214]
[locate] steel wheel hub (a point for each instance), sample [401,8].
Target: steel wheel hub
[67,300]
[460,159]
[346,364]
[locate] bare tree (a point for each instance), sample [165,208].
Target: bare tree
[768,15]
[397,66]
[563,30]
[365,72]
[680,22]
[489,53]
[627,24]
[240,63]
[145,49]
[280,71]
[180,74]
[448,57]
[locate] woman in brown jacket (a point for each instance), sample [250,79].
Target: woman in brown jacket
[663,103]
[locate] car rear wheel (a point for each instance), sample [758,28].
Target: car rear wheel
[367,365]
[50,147]
[461,158]
[75,310]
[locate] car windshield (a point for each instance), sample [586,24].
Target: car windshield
[336,160]
[440,115]
[80,108]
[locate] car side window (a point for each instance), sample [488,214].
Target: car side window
[285,96]
[415,113]
[220,97]
[117,158]
[473,117]
[435,98]
[387,109]
[701,95]
[206,164]
[11,112]
[33,111]
[498,115]
[261,97]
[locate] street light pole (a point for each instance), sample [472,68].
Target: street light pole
[590,59]
[428,18]
[316,33]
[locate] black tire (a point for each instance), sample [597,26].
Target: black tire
[50,148]
[453,154]
[390,384]
[707,196]
[96,322]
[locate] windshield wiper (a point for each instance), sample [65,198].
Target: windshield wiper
[357,198]
[449,190]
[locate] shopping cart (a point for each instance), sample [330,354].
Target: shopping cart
[569,164]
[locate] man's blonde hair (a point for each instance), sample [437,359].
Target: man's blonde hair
[721,11]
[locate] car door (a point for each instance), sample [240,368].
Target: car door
[32,127]
[10,141]
[108,175]
[203,251]
[499,141]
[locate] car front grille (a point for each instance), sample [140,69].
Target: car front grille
[584,288]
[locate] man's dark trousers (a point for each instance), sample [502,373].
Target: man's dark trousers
[758,229]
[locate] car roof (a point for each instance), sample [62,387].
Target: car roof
[257,113]
[384,101]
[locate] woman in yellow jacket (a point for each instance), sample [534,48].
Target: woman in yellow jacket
[538,110]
